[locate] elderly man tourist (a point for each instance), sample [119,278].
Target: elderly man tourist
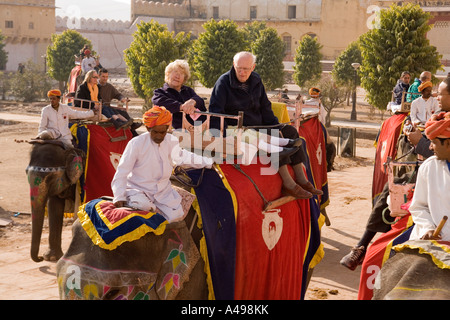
[54,123]
[142,179]
[241,89]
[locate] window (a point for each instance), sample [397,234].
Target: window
[215,12]
[9,24]
[292,12]
[253,12]
[31,25]
[287,45]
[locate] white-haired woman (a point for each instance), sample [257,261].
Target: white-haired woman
[175,96]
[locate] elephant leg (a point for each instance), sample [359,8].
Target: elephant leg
[55,208]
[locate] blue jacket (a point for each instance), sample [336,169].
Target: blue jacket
[228,97]
[399,88]
[171,99]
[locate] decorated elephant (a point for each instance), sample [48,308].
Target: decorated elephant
[52,174]
[119,254]
[419,270]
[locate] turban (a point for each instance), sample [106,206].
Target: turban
[54,93]
[87,51]
[425,85]
[438,126]
[314,92]
[157,116]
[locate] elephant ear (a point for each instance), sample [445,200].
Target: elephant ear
[75,161]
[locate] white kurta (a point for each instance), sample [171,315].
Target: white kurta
[422,110]
[146,167]
[88,64]
[431,200]
[56,123]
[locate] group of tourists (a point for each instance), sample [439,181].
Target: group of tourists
[142,178]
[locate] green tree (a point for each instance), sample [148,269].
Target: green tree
[152,49]
[31,85]
[212,53]
[3,53]
[61,54]
[307,68]
[253,31]
[398,44]
[269,50]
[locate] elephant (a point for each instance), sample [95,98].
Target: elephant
[52,173]
[153,267]
[420,271]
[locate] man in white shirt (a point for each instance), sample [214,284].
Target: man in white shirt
[425,106]
[88,63]
[430,202]
[142,179]
[314,93]
[54,123]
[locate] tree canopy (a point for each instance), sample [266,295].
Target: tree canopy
[307,66]
[212,53]
[61,54]
[152,49]
[399,44]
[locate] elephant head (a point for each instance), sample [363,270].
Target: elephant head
[52,172]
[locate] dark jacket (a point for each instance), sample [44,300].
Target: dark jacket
[228,97]
[171,99]
[84,93]
[399,88]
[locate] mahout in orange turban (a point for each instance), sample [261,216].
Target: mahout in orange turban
[438,126]
[54,93]
[314,92]
[425,85]
[157,116]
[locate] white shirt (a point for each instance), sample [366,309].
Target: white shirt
[146,167]
[85,64]
[431,198]
[57,122]
[422,110]
[316,102]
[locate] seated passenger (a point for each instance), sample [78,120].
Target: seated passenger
[401,86]
[108,93]
[142,179]
[89,90]
[175,96]
[88,63]
[54,123]
[430,201]
[419,140]
[425,106]
[241,89]
[314,93]
[414,88]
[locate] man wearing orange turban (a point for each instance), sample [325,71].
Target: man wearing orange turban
[54,123]
[430,201]
[142,179]
[424,106]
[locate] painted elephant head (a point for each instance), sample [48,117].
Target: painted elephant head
[52,173]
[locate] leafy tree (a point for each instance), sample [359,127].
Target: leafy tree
[253,30]
[3,53]
[307,66]
[343,72]
[212,53]
[31,85]
[398,44]
[269,50]
[152,49]
[61,54]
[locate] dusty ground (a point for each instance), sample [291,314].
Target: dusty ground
[21,278]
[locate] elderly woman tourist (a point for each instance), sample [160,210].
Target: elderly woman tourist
[175,96]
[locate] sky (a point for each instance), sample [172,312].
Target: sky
[96,9]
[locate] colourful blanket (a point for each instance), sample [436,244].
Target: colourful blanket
[102,158]
[386,144]
[109,227]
